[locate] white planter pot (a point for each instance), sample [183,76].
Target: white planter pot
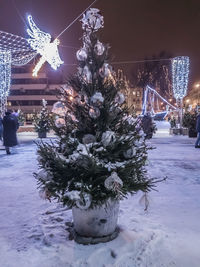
[97,222]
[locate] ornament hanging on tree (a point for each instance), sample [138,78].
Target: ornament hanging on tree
[87,75]
[84,202]
[94,113]
[44,176]
[59,108]
[60,122]
[131,152]
[120,98]
[108,138]
[81,54]
[92,20]
[113,182]
[97,99]
[105,71]
[99,48]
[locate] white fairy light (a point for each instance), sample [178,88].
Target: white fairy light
[41,42]
[14,50]
[5,75]
[180,73]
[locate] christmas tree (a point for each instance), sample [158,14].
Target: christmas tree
[21,117]
[100,152]
[42,121]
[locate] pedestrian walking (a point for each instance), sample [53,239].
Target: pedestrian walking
[197,144]
[10,126]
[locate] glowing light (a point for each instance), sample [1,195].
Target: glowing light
[155,93]
[5,74]
[197,85]
[41,42]
[14,50]
[180,73]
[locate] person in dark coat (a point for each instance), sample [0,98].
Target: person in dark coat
[10,126]
[197,144]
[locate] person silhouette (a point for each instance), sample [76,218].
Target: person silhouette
[10,127]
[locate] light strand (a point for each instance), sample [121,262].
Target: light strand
[75,19]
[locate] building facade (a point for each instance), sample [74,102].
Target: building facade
[27,92]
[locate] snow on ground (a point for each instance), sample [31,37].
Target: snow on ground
[33,231]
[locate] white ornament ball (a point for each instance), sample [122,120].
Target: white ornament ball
[120,98]
[113,182]
[99,48]
[60,122]
[94,113]
[105,70]
[59,108]
[81,54]
[131,152]
[84,202]
[97,99]
[44,176]
[108,138]
[87,75]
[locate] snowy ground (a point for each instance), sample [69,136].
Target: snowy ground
[33,232]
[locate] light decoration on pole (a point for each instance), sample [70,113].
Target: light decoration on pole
[14,50]
[41,42]
[180,74]
[5,75]
[148,97]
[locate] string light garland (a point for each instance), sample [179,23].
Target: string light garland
[180,74]
[144,105]
[14,50]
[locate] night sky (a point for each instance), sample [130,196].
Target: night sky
[135,29]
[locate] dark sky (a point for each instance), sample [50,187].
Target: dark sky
[134,28]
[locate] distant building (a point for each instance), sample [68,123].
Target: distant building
[192,100]
[27,92]
[133,95]
[134,99]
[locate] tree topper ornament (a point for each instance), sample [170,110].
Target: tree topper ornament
[41,42]
[92,20]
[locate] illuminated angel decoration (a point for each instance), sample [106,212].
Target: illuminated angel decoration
[41,42]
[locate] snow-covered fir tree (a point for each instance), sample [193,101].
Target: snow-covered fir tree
[100,152]
[42,120]
[21,117]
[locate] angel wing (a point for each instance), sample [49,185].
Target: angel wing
[38,38]
[41,42]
